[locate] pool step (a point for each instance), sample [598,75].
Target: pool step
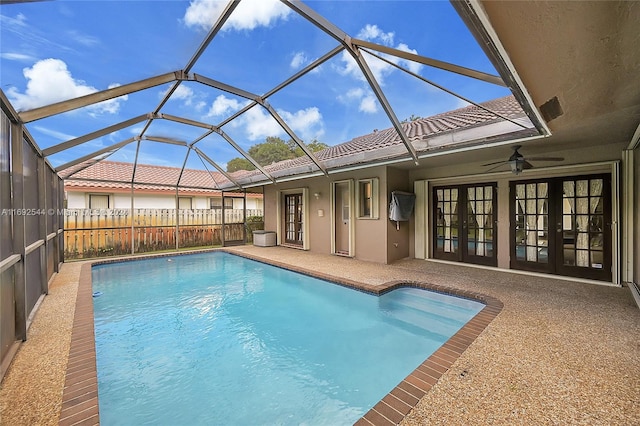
[425,311]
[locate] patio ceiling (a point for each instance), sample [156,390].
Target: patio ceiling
[195,137]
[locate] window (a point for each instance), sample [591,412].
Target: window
[184,203]
[98,201]
[216,203]
[367,197]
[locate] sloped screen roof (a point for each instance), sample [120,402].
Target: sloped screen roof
[194,85]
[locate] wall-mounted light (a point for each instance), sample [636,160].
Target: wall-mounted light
[317,195]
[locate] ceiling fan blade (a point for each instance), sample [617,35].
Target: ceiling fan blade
[495,167]
[545,158]
[496,162]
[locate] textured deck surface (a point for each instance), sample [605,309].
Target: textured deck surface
[559,352]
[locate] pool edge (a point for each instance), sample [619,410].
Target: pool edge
[80,394]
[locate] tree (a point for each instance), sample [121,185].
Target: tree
[412,118]
[272,150]
[239,164]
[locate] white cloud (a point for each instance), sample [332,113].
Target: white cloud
[49,81]
[298,61]
[369,104]
[20,57]
[249,14]
[183,93]
[372,32]
[306,123]
[84,39]
[54,133]
[380,69]
[414,67]
[258,124]
[223,105]
[19,21]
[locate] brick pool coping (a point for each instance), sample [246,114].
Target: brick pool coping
[80,394]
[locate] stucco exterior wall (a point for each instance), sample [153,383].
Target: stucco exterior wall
[398,236]
[370,235]
[122,200]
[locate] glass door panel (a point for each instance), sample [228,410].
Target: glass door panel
[446,224]
[293,219]
[464,224]
[560,226]
[585,216]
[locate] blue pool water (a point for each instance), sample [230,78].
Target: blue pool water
[216,339]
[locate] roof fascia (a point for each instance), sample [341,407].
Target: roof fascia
[93,98]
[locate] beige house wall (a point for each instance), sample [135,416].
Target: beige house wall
[379,240]
[371,236]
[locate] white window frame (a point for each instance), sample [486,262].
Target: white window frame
[190,203]
[98,195]
[375,198]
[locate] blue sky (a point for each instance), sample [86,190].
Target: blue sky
[56,50]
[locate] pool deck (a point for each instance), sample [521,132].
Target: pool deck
[547,351]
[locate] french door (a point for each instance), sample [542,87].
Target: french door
[465,224]
[293,214]
[562,226]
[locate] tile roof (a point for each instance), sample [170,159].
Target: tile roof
[438,131]
[117,175]
[423,133]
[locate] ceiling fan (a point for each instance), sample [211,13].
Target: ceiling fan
[519,162]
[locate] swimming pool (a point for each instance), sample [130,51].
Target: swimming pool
[217,339]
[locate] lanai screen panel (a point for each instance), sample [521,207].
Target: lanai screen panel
[342,83]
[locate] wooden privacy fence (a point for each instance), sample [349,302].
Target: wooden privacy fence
[111,232]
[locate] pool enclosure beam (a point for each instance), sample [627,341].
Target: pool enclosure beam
[94,98]
[259,100]
[229,8]
[94,135]
[295,138]
[205,157]
[245,154]
[342,37]
[444,89]
[457,69]
[94,154]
